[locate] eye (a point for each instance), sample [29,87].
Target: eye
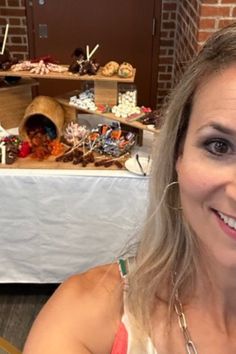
[218,146]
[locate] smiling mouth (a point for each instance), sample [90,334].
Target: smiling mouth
[229,221]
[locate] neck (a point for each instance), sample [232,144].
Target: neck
[216,288]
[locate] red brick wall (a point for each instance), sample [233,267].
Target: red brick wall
[180,20]
[186,45]
[215,14]
[167,44]
[194,21]
[14,13]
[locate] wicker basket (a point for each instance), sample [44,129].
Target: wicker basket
[44,108]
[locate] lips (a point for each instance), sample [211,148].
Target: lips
[231,222]
[227,224]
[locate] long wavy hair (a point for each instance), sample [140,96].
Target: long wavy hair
[167,245]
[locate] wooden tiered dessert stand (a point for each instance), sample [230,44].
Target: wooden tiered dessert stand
[106,92]
[105,89]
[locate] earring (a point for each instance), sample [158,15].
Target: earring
[173,196]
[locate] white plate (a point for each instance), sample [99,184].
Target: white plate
[132,165]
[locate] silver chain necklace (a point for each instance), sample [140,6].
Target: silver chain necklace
[189,345]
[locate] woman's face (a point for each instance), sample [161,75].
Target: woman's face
[206,167]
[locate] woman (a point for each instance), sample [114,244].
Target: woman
[180,288]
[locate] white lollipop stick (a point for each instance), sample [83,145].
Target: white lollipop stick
[93,51]
[3,153]
[5,39]
[87,52]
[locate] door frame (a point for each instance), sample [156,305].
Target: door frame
[156,44]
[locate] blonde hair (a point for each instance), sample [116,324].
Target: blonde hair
[167,244]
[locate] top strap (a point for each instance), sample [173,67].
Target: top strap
[125,265]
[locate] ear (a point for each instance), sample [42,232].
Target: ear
[178,163]
[180,152]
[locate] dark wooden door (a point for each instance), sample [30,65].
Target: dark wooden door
[126,30]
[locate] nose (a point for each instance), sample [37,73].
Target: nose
[230,189]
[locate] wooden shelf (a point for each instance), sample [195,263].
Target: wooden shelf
[64,100]
[69,76]
[23,82]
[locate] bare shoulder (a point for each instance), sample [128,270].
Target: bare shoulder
[82,316]
[101,282]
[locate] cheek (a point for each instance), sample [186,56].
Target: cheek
[195,192]
[194,179]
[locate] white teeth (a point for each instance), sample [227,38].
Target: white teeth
[229,221]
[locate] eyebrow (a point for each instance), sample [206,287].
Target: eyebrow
[217,126]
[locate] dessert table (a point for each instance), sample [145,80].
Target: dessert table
[55,223]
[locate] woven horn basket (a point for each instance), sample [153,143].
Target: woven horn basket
[41,108]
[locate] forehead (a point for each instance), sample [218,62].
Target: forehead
[215,98]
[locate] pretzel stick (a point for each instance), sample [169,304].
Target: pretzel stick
[80,143]
[108,159]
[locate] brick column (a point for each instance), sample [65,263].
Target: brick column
[166,55]
[193,21]
[215,14]
[14,13]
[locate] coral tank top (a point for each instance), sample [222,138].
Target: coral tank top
[125,342]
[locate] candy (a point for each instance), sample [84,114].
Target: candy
[57,147]
[110,68]
[24,149]
[85,100]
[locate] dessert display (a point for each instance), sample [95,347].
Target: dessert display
[103,146]
[43,134]
[84,145]
[81,64]
[126,106]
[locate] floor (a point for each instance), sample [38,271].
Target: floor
[19,305]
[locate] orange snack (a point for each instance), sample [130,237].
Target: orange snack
[93,136]
[116,134]
[57,147]
[104,129]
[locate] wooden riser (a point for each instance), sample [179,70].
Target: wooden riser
[13,102]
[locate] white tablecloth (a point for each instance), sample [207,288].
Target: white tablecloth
[63,222]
